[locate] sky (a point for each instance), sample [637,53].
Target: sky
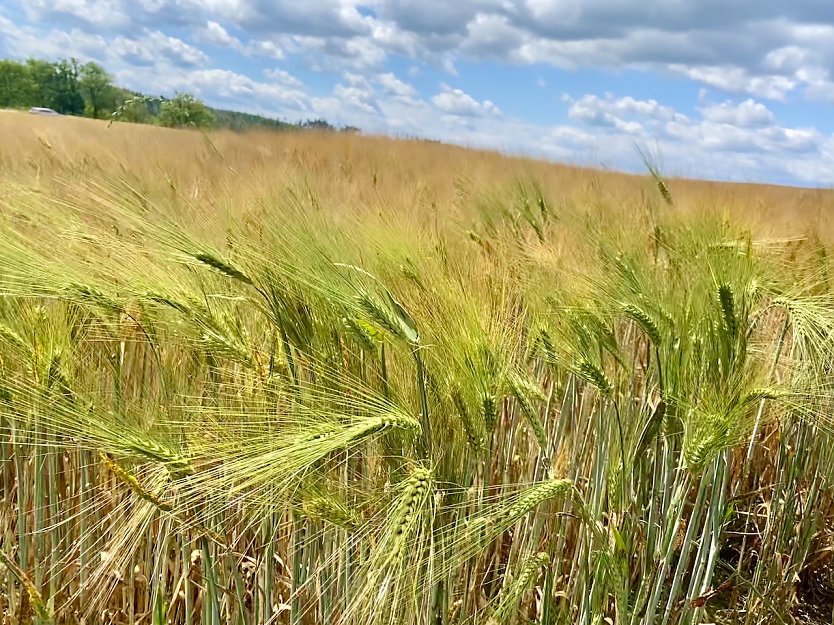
[740,90]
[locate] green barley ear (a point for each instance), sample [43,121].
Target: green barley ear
[410,272]
[728,310]
[158,298]
[87,294]
[663,189]
[513,594]
[365,333]
[707,435]
[489,406]
[480,530]
[222,266]
[406,322]
[330,510]
[156,452]
[379,315]
[473,427]
[397,566]
[593,374]
[543,343]
[650,162]
[14,339]
[417,492]
[32,598]
[133,483]
[644,321]
[759,394]
[526,393]
[536,495]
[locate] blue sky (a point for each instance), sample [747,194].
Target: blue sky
[736,90]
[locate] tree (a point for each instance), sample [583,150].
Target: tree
[184,110]
[41,73]
[56,85]
[66,91]
[317,124]
[134,107]
[16,86]
[97,88]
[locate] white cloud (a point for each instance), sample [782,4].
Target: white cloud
[234,86]
[154,46]
[448,66]
[767,49]
[105,14]
[729,139]
[739,80]
[265,48]
[24,42]
[214,34]
[458,102]
[355,97]
[746,114]
[589,105]
[394,86]
[323,54]
[627,114]
[283,77]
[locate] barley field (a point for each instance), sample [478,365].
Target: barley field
[312,378]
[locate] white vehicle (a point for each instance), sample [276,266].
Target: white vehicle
[41,110]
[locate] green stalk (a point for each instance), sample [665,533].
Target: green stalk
[188,604]
[5,464]
[383,362]
[55,527]
[84,523]
[298,567]
[683,558]
[754,435]
[212,601]
[39,506]
[424,405]
[760,411]
[269,532]
[702,578]
[672,522]
[231,565]
[22,491]
[326,604]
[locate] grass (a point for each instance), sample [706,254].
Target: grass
[338,379]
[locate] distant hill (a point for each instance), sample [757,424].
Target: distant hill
[238,121]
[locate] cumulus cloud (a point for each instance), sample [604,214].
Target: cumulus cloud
[726,139]
[105,14]
[458,102]
[739,80]
[232,85]
[590,107]
[746,114]
[264,48]
[283,77]
[766,49]
[153,46]
[396,87]
[24,41]
[214,34]
[224,88]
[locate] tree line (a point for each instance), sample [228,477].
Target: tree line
[72,88]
